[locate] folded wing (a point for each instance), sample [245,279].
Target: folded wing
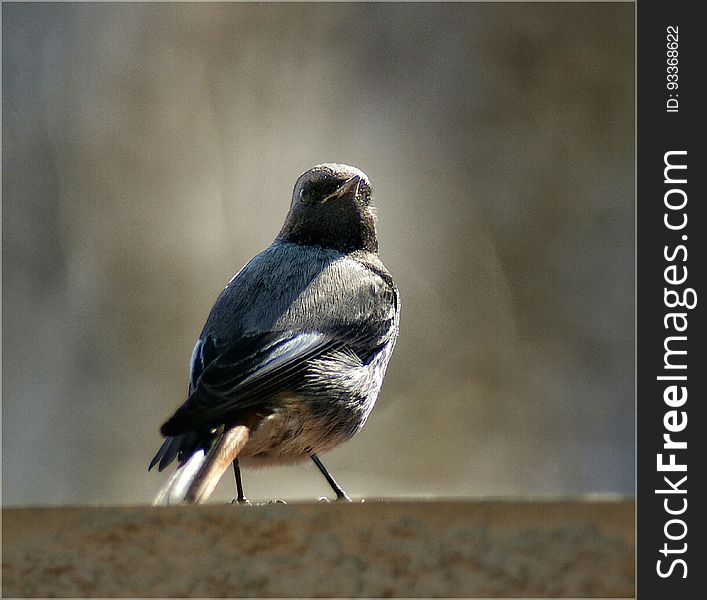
[246,374]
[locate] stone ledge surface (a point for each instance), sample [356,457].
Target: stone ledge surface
[486,548]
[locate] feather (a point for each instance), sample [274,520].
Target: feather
[195,480]
[245,375]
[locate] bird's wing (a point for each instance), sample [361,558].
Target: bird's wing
[245,374]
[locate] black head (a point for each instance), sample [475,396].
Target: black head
[331,208]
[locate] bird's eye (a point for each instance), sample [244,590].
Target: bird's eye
[304,195]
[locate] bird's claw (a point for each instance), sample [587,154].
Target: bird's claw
[342,498]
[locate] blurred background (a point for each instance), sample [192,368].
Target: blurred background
[149,150]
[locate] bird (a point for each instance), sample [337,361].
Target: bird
[293,354]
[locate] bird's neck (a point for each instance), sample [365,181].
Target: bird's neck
[346,232]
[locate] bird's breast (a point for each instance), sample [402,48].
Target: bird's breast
[293,431]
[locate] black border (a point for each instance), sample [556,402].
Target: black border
[659,131]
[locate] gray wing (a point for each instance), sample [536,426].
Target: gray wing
[246,374]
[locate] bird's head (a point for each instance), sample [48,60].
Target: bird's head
[331,208]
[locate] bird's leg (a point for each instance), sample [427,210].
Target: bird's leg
[241,499]
[340,494]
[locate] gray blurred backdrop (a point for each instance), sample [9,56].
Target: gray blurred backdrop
[149,150]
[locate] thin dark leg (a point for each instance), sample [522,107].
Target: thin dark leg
[340,494]
[239,484]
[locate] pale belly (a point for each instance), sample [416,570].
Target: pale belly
[292,433]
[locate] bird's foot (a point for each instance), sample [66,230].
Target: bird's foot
[342,498]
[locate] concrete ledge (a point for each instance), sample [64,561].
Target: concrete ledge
[373,549]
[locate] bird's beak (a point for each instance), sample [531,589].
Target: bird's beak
[348,189]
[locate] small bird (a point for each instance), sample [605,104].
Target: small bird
[292,356]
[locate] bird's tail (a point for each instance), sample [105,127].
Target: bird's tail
[196,479]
